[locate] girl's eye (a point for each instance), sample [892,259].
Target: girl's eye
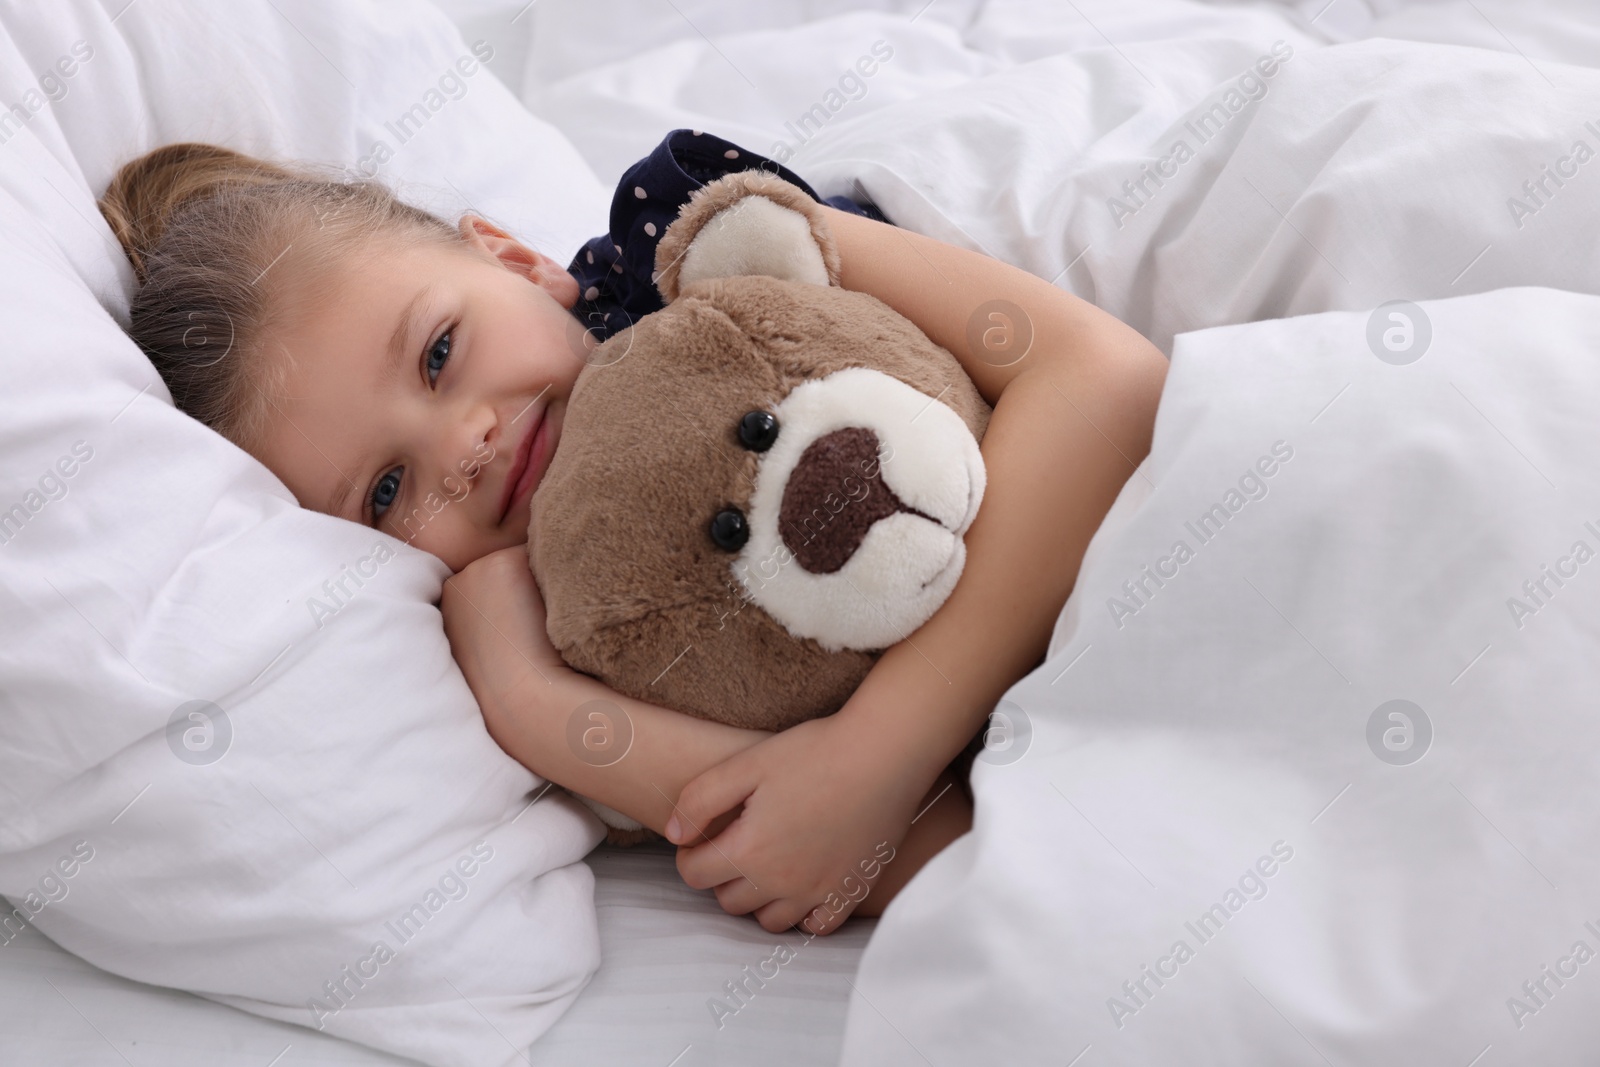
[438,355]
[384,492]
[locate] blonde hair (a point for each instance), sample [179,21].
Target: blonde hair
[210,233]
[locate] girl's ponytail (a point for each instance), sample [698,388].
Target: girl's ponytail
[146,193]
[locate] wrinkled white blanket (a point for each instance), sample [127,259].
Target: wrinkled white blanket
[1308,776]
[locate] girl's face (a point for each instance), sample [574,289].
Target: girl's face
[424,395]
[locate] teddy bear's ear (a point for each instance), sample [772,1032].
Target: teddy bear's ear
[746,223]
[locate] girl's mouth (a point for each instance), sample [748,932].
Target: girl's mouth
[527,464]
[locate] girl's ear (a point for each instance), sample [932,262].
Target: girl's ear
[518,258]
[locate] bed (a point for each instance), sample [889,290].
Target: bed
[1111,815]
[668,950]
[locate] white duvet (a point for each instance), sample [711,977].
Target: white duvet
[1309,774]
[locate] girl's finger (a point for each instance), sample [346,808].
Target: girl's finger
[713,793]
[781,915]
[739,897]
[822,920]
[708,865]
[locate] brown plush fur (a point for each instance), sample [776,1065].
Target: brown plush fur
[636,592]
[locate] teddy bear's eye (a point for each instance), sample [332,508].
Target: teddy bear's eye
[729,530]
[758,430]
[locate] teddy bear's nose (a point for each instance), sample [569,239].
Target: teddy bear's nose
[832,498]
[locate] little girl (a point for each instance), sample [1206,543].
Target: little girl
[410,374]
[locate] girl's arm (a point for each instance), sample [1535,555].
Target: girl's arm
[1072,418]
[627,754]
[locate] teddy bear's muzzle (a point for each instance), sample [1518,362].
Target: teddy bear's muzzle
[831,502]
[856,521]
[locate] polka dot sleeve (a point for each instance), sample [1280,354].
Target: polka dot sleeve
[614,271]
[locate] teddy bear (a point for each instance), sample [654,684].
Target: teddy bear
[761,486]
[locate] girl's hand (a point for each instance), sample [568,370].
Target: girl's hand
[494,618]
[824,809]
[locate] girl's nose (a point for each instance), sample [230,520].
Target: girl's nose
[464,450]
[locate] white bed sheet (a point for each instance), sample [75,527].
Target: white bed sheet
[666,951]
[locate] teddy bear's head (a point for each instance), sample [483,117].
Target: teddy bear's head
[761,486]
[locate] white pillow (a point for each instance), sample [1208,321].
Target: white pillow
[348,794]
